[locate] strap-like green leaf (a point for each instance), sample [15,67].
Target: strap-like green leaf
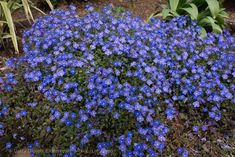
[14,5]
[223,14]
[149,18]
[216,28]
[193,11]
[203,33]
[39,10]
[3,22]
[214,7]
[50,4]
[207,21]
[211,22]
[27,10]
[6,36]
[174,4]
[10,24]
[166,13]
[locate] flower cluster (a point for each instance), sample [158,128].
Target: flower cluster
[109,75]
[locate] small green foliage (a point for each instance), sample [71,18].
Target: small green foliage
[209,13]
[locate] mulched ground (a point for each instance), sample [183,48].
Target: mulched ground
[230,8]
[141,8]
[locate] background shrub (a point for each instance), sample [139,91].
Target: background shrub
[110,84]
[209,13]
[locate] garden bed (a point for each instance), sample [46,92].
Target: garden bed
[110,84]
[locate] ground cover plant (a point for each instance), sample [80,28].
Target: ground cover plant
[109,84]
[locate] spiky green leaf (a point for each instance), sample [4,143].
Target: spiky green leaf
[173,4]
[192,11]
[50,4]
[214,7]
[10,24]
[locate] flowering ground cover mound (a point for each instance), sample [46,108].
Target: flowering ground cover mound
[109,84]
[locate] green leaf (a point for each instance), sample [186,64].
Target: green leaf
[174,5]
[39,10]
[207,21]
[13,5]
[214,7]
[199,3]
[151,16]
[216,28]
[159,14]
[10,24]
[203,33]
[1,22]
[182,3]
[166,13]
[6,36]
[193,11]
[27,10]
[211,22]
[50,4]
[223,14]
[203,14]
[221,18]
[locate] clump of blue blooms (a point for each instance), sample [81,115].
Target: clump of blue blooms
[99,82]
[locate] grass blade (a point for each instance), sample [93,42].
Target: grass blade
[193,11]
[214,7]
[10,24]
[27,10]
[174,4]
[50,4]
[39,10]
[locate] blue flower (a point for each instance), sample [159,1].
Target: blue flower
[104,152]
[204,128]
[180,150]
[73,148]
[195,128]
[8,145]
[33,104]
[196,104]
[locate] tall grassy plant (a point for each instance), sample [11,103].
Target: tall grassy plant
[7,7]
[10,24]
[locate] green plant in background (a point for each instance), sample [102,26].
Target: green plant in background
[5,12]
[53,2]
[209,13]
[7,7]
[50,4]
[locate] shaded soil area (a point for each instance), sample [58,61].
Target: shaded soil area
[230,8]
[141,8]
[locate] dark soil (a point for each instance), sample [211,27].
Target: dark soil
[230,8]
[141,8]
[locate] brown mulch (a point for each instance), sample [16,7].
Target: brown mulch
[141,8]
[230,8]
